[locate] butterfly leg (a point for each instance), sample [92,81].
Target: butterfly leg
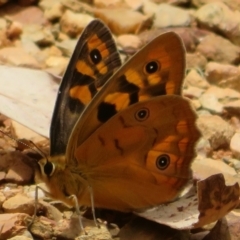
[92,206]
[74,198]
[35,204]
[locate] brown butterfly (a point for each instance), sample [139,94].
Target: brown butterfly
[126,134]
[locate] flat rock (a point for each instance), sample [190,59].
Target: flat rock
[196,60]
[16,167]
[217,131]
[73,23]
[132,22]
[210,102]
[170,16]
[223,75]
[196,79]
[219,17]
[13,224]
[16,56]
[219,49]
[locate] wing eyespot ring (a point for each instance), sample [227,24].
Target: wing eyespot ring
[95,56]
[152,67]
[142,114]
[163,161]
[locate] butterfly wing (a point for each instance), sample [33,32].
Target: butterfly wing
[141,157]
[94,60]
[157,69]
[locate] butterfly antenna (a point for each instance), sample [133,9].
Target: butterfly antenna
[35,148]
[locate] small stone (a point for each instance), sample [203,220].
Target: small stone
[211,103]
[219,17]
[59,62]
[217,131]
[67,46]
[18,57]
[14,30]
[132,22]
[54,12]
[19,203]
[223,75]
[196,60]
[73,23]
[192,92]
[196,79]
[165,16]
[216,48]
[38,34]
[16,168]
[224,95]
[129,41]
[13,224]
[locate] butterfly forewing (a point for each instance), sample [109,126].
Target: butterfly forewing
[94,60]
[157,69]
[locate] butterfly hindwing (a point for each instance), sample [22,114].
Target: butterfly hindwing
[140,153]
[94,60]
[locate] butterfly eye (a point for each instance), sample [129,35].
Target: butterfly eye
[142,114]
[49,168]
[95,56]
[152,67]
[163,161]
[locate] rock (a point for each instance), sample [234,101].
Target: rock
[192,92]
[67,46]
[16,167]
[204,167]
[19,203]
[223,75]
[18,57]
[217,131]
[38,34]
[195,78]
[233,107]
[133,22]
[57,62]
[129,41]
[55,12]
[73,23]
[13,224]
[224,95]
[232,4]
[216,48]
[233,224]
[203,148]
[24,15]
[53,9]
[211,103]
[218,17]
[26,133]
[235,144]
[196,60]
[14,30]
[170,16]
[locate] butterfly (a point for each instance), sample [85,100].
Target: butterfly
[123,131]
